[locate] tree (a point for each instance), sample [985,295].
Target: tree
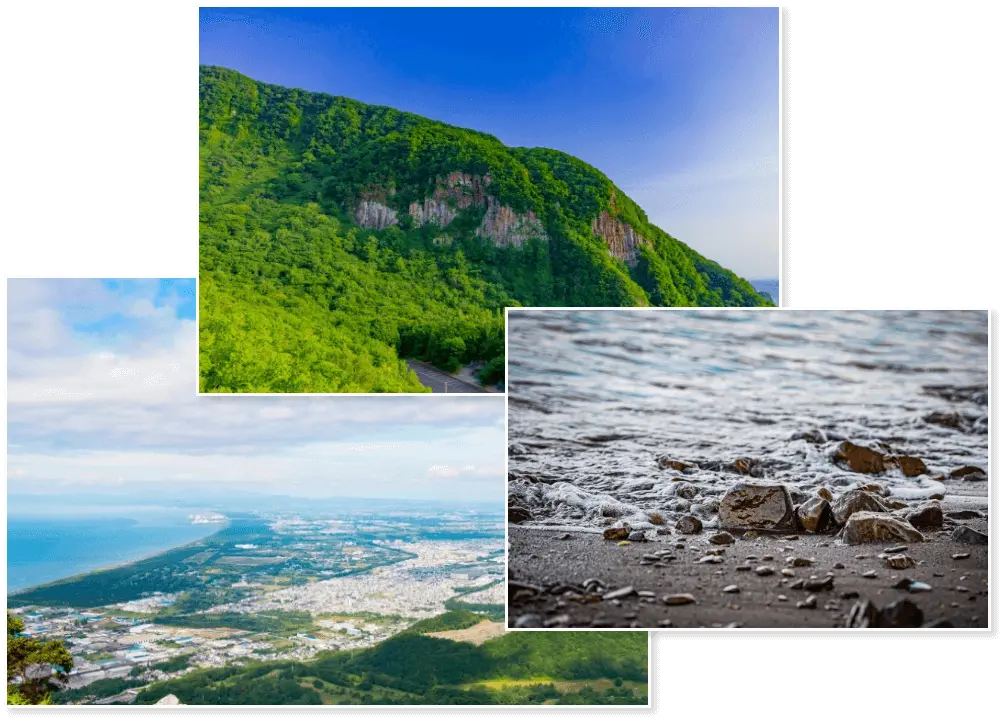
[35,668]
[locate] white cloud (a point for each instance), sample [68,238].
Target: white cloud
[86,415]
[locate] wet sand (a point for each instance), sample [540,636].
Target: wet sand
[555,561]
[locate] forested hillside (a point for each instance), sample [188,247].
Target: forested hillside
[338,239]
[411,668]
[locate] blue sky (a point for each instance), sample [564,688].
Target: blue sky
[101,398]
[678,106]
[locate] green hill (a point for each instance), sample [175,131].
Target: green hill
[410,668]
[339,238]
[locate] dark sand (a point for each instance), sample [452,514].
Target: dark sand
[542,557]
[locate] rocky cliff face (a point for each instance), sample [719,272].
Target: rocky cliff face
[456,191]
[506,227]
[374,214]
[622,240]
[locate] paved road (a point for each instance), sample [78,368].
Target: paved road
[440,381]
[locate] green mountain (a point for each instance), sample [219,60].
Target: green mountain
[411,668]
[338,239]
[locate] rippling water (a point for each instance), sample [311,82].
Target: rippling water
[596,396]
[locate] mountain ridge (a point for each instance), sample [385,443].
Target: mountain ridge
[448,217]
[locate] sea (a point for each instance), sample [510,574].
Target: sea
[596,397]
[768,285]
[45,547]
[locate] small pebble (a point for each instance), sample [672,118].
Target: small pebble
[619,593]
[764,571]
[731,589]
[871,574]
[809,603]
[678,599]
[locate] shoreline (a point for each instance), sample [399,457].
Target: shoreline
[117,565]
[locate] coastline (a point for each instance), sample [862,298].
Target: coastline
[217,528]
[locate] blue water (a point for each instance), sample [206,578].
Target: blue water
[769,285]
[46,548]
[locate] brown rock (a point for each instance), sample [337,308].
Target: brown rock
[758,506]
[926,516]
[860,459]
[666,462]
[748,466]
[950,419]
[899,561]
[622,240]
[870,526]
[912,466]
[969,473]
[854,501]
[616,533]
[518,515]
[816,516]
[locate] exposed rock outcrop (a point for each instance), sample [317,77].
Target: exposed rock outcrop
[457,191]
[622,240]
[508,228]
[374,214]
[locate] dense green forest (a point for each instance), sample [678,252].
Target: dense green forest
[411,668]
[320,269]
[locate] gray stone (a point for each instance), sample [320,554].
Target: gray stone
[689,525]
[637,536]
[809,603]
[962,555]
[759,506]
[620,593]
[869,526]
[969,536]
[723,537]
[529,621]
[731,589]
[764,571]
[679,599]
